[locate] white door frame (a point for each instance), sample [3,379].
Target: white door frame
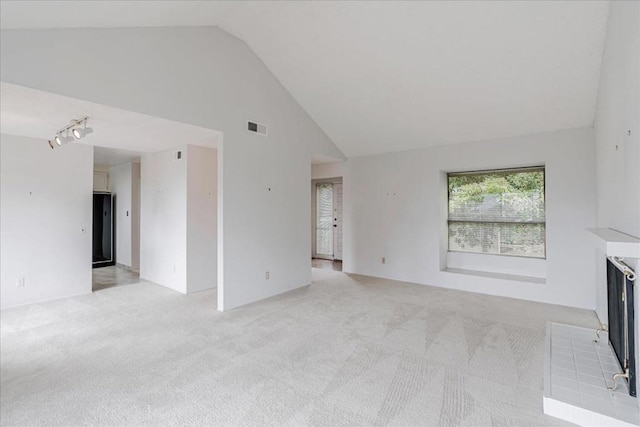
[314,182]
[337,221]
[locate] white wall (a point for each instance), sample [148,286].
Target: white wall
[202,249]
[45,204]
[395,206]
[617,152]
[330,170]
[618,111]
[213,80]
[100,178]
[120,178]
[124,184]
[178,219]
[163,219]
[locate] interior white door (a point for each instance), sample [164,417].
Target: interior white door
[337,221]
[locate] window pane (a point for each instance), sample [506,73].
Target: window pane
[497,196]
[498,238]
[524,206]
[500,212]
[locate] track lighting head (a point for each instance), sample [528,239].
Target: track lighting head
[81,133]
[66,139]
[58,141]
[75,129]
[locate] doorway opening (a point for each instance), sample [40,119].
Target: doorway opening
[327,196]
[102,234]
[116,218]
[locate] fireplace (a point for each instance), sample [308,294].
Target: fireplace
[620,300]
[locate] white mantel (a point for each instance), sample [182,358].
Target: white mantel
[615,243]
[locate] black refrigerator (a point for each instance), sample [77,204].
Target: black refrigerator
[103,230]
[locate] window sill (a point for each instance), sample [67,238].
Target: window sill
[500,276]
[504,266]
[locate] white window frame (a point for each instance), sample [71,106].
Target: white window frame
[493,171]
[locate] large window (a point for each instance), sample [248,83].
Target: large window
[498,212]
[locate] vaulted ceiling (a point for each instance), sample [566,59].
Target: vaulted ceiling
[389,76]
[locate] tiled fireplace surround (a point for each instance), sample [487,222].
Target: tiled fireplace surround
[579,370]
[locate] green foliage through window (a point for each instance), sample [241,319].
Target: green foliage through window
[498,212]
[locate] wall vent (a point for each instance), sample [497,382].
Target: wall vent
[257,128]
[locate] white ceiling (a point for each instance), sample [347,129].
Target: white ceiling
[388,76]
[37,114]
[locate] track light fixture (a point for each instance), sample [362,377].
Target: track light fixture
[75,129]
[82,132]
[61,140]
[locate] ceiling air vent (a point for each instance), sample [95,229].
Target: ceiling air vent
[257,128]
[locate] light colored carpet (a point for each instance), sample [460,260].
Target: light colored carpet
[347,350]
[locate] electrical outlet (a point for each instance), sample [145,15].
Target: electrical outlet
[20,281]
[266,275]
[383,260]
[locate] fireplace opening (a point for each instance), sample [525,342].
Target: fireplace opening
[620,300]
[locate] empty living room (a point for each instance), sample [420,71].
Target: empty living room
[319,213]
